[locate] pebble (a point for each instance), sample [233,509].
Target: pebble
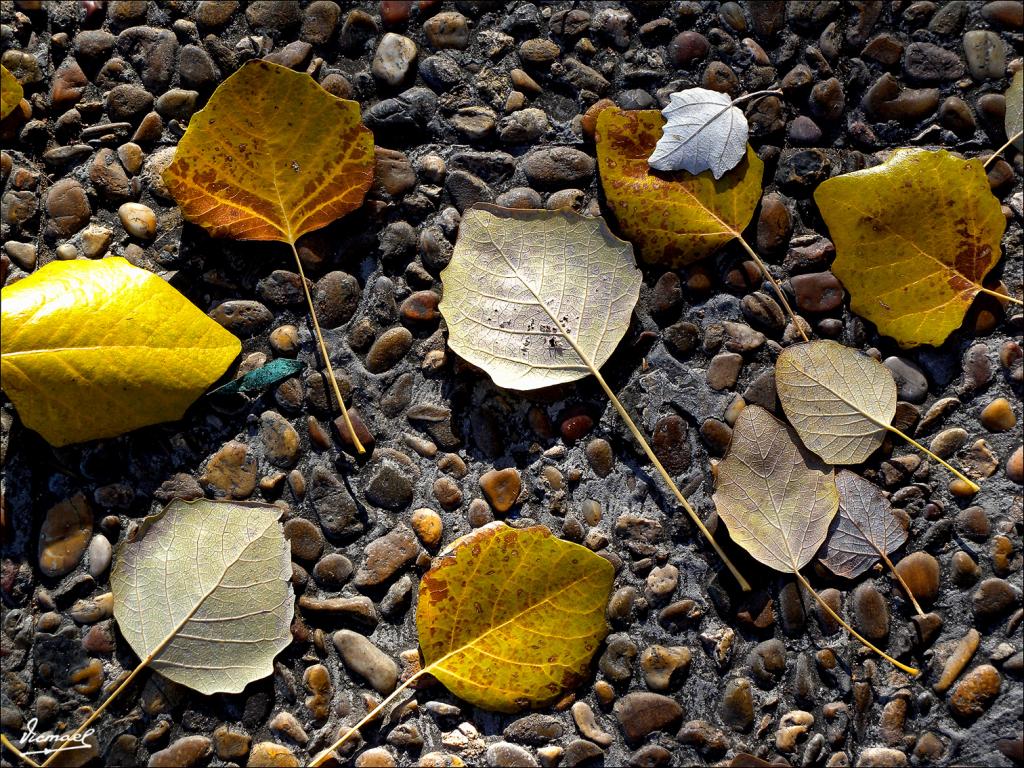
[616,663]
[377,757]
[920,571]
[993,598]
[428,526]
[974,694]
[871,612]
[280,440]
[687,48]
[792,726]
[662,665]
[501,487]
[230,744]
[389,348]
[336,297]
[1015,466]
[737,705]
[558,168]
[506,755]
[267,754]
[586,722]
[230,472]
[535,729]
[285,724]
[662,582]
[881,757]
[333,570]
[985,54]
[600,456]
[64,535]
[183,753]
[367,660]
[642,713]
[704,737]
[998,416]
[243,317]
[1007,13]
[67,207]
[100,553]
[723,370]
[523,126]
[948,442]
[817,292]
[957,661]
[305,539]
[911,384]
[447,29]
[386,555]
[393,59]
[955,115]
[768,662]
[927,62]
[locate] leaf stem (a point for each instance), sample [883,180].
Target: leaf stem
[775,284]
[323,353]
[7,743]
[851,630]
[754,95]
[319,759]
[906,587]
[99,710]
[638,436]
[999,295]
[973,485]
[1002,149]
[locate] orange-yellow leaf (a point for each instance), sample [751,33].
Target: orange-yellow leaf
[271,157]
[914,238]
[674,218]
[510,618]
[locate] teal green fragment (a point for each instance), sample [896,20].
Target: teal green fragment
[261,378]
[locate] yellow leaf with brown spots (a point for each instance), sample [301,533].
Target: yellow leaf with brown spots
[914,239]
[509,619]
[10,92]
[271,157]
[675,218]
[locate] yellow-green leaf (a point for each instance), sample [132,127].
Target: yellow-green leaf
[10,92]
[914,239]
[839,400]
[271,157]
[202,592]
[94,349]
[510,618]
[673,218]
[537,298]
[776,497]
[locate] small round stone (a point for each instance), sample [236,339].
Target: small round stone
[1015,466]
[428,526]
[920,571]
[138,220]
[501,487]
[975,692]
[305,539]
[998,416]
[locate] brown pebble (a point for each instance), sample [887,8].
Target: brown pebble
[1015,466]
[959,659]
[920,571]
[975,692]
[267,754]
[230,472]
[998,416]
[64,535]
[501,487]
[388,349]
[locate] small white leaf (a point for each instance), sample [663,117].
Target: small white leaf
[703,131]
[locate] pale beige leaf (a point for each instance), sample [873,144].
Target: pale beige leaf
[205,587]
[1014,119]
[864,530]
[776,498]
[839,401]
[536,298]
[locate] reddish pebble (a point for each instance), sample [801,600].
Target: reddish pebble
[420,307]
[363,433]
[575,427]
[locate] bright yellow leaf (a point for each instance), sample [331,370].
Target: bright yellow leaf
[510,618]
[271,157]
[93,349]
[673,218]
[914,239]
[10,92]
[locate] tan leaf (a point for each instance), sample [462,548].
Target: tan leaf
[864,530]
[202,593]
[840,401]
[776,498]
